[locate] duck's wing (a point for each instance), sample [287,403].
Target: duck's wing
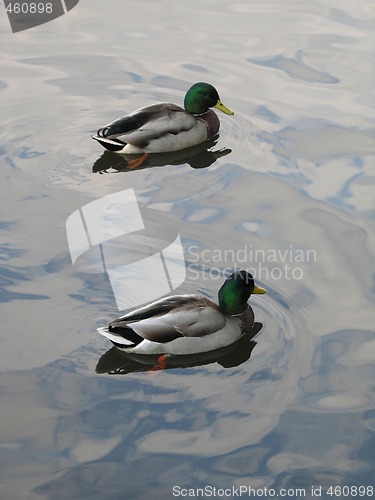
[161,306]
[168,319]
[151,122]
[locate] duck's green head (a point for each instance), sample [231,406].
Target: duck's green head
[202,96]
[235,292]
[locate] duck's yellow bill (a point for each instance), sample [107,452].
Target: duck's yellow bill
[219,105]
[259,289]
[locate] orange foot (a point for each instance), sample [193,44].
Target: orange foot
[137,161]
[161,364]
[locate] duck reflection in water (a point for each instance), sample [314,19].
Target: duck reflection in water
[199,156]
[116,362]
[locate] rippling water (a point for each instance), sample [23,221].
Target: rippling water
[291,177]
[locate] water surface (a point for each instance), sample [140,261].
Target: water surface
[293,409]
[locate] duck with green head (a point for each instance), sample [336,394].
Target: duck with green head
[161,128]
[187,324]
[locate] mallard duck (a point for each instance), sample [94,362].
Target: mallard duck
[187,324]
[161,128]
